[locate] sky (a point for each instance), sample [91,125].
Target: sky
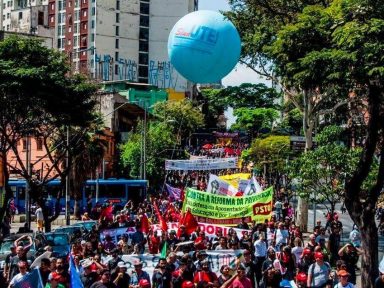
[240,74]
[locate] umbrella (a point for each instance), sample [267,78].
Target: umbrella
[208,146]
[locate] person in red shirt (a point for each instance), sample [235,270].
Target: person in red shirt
[205,275]
[201,242]
[241,280]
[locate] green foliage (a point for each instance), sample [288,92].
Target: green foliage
[160,146]
[180,116]
[253,120]
[272,151]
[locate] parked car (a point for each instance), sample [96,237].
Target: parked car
[5,247]
[88,225]
[75,232]
[60,243]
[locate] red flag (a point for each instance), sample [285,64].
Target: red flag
[144,224]
[163,224]
[189,222]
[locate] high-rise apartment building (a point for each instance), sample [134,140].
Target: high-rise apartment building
[120,39]
[107,39]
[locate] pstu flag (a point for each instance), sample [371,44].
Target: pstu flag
[75,276]
[174,193]
[30,280]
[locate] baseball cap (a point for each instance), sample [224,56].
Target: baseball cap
[144,283]
[187,284]
[302,277]
[121,264]
[306,252]
[342,273]
[319,255]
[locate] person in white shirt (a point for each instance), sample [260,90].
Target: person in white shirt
[22,272]
[282,236]
[297,251]
[260,256]
[39,219]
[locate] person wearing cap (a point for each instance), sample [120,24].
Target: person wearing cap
[138,274]
[187,284]
[301,280]
[350,255]
[23,270]
[180,275]
[241,280]
[319,272]
[105,280]
[120,278]
[343,280]
[89,276]
[306,260]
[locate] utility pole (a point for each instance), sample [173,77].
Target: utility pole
[27,186]
[67,200]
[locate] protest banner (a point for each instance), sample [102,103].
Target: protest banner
[237,180]
[202,164]
[220,187]
[216,259]
[209,229]
[228,210]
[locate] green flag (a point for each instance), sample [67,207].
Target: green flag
[164,250]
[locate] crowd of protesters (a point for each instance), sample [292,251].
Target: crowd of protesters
[274,253]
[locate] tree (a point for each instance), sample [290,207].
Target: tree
[38,98]
[181,116]
[324,52]
[254,120]
[211,108]
[161,144]
[270,155]
[321,173]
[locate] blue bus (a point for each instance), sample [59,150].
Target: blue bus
[118,191]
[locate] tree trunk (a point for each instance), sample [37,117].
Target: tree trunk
[369,245]
[6,189]
[302,205]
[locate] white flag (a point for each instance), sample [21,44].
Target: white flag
[253,187]
[220,187]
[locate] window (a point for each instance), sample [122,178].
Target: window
[117,5]
[84,26]
[117,28]
[40,19]
[93,24]
[117,43]
[52,19]
[24,144]
[76,40]
[144,8]
[143,71]
[93,11]
[116,69]
[144,21]
[143,58]
[52,6]
[20,15]
[39,144]
[69,3]
[70,29]
[144,33]
[69,42]
[143,46]
[93,37]
[116,56]
[84,13]
[117,17]
[9,15]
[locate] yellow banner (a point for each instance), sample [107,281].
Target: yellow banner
[235,179]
